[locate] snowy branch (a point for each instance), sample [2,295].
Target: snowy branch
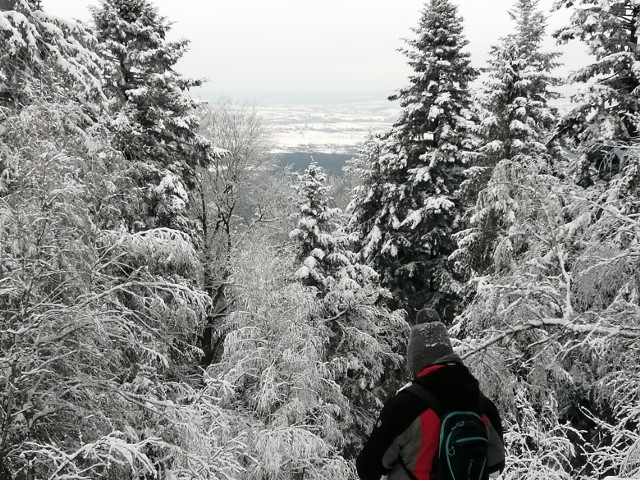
[629,333]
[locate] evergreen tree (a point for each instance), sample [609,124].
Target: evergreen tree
[518,118]
[156,124]
[607,112]
[364,336]
[551,285]
[98,383]
[556,302]
[516,128]
[406,213]
[44,57]
[316,223]
[436,103]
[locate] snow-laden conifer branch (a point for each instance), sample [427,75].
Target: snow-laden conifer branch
[565,324]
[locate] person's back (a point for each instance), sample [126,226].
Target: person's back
[405,443]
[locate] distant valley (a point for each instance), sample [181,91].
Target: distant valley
[298,161]
[329,134]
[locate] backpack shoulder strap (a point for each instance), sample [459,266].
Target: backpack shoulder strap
[425,395]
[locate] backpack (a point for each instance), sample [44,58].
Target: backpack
[463,443]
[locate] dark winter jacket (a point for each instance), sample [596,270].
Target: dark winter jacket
[408,430]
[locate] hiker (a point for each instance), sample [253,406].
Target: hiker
[442,406]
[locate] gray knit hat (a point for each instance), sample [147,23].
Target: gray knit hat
[428,342]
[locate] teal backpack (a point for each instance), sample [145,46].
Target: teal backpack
[463,443]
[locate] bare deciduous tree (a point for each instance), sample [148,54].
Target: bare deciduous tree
[225,188]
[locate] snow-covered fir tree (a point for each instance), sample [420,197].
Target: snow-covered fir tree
[364,336]
[515,133]
[548,317]
[97,380]
[45,57]
[365,342]
[316,222]
[407,210]
[518,118]
[107,281]
[607,112]
[536,332]
[157,126]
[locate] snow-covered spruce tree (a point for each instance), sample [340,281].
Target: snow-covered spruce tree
[607,112]
[364,335]
[554,331]
[45,57]
[406,215]
[96,324]
[156,125]
[515,130]
[274,371]
[518,119]
[316,223]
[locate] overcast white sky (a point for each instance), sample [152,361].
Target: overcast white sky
[265,50]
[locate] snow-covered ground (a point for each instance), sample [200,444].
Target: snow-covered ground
[337,128]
